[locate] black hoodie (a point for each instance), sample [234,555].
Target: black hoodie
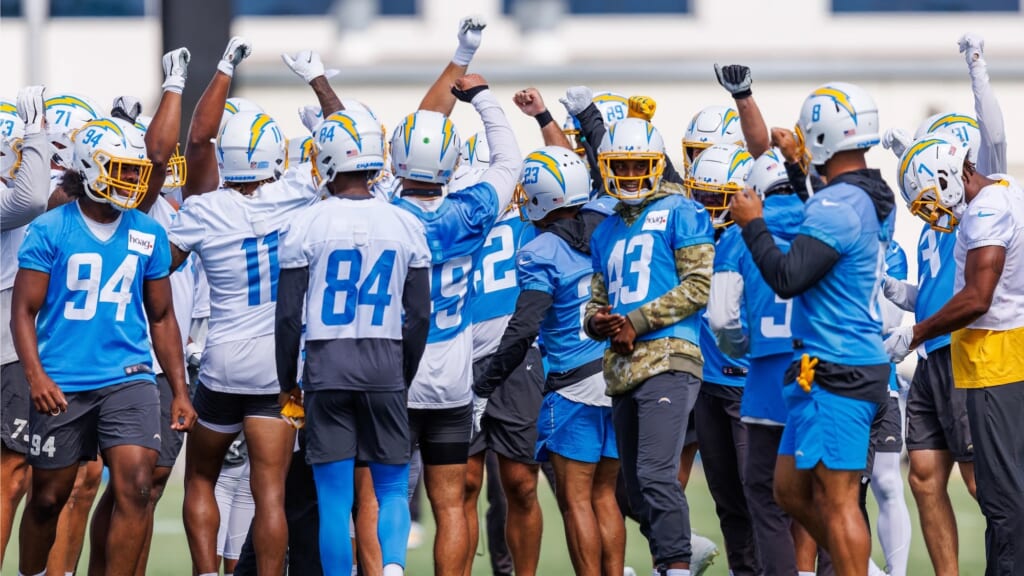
[532,306]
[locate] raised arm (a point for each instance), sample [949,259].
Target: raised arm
[737,80]
[200,153]
[26,199]
[165,128]
[503,171]
[308,66]
[439,97]
[531,104]
[992,151]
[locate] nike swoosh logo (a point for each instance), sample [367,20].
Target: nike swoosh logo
[826,203]
[985,214]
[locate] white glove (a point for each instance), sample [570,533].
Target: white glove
[311,116]
[479,407]
[897,345]
[470,34]
[238,49]
[126,108]
[973,49]
[900,293]
[577,99]
[306,65]
[193,354]
[897,140]
[31,108]
[175,65]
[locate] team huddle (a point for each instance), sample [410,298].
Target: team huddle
[331,317]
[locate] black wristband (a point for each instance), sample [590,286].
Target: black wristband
[744,94]
[468,95]
[544,118]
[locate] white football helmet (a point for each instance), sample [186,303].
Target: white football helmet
[963,126]
[768,173]
[12,131]
[553,177]
[65,113]
[347,141]
[631,140]
[613,107]
[475,151]
[712,125]
[250,148]
[176,169]
[834,118]
[425,147]
[931,179]
[235,105]
[571,129]
[719,172]
[111,156]
[300,150]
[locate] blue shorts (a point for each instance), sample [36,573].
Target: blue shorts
[574,430]
[827,428]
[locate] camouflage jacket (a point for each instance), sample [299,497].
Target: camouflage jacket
[694,266]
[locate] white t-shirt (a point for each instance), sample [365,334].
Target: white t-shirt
[995,217]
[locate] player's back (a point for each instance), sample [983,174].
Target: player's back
[838,318]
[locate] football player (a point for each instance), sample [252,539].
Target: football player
[652,271]
[236,231]
[361,267]
[23,192]
[574,427]
[424,150]
[833,269]
[946,187]
[116,264]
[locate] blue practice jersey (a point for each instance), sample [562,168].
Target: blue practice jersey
[547,264]
[838,319]
[494,283]
[718,367]
[638,261]
[455,233]
[936,271]
[92,327]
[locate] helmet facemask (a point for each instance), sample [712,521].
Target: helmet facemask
[631,189]
[715,198]
[10,152]
[177,171]
[115,184]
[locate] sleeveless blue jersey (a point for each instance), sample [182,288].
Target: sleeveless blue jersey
[547,264]
[92,328]
[838,319]
[638,261]
[455,233]
[494,283]
[936,271]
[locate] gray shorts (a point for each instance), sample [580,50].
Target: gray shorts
[369,426]
[170,439]
[937,410]
[15,408]
[887,430]
[123,414]
[509,426]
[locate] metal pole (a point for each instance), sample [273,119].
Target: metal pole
[36,12]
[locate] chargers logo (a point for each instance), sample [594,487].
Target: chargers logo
[914,150]
[604,98]
[256,130]
[650,131]
[230,107]
[950,119]
[8,108]
[448,134]
[739,158]
[72,101]
[842,99]
[471,148]
[106,125]
[307,150]
[729,117]
[407,127]
[349,126]
[549,164]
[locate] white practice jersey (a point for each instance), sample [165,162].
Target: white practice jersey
[358,253]
[237,238]
[183,280]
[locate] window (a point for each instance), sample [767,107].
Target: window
[281,7]
[591,7]
[846,6]
[398,7]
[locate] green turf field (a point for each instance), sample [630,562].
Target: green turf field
[170,552]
